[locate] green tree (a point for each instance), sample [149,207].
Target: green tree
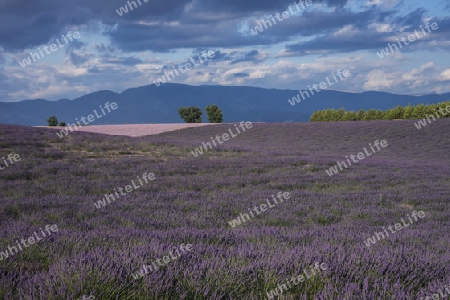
[214,114]
[52,121]
[430,110]
[334,115]
[350,116]
[191,114]
[329,115]
[408,112]
[395,113]
[62,124]
[340,114]
[419,112]
[399,112]
[370,115]
[316,116]
[360,115]
[379,115]
[444,106]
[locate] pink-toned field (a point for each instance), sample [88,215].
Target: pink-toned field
[134,130]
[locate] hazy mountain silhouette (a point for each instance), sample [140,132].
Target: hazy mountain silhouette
[152,104]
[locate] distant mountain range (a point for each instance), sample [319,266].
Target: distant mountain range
[152,104]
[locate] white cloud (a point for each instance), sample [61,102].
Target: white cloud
[445,75]
[425,79]
[347,30]
[386,4]
[379,27]
[378,80]
[392,74]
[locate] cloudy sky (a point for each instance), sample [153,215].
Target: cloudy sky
[116,50]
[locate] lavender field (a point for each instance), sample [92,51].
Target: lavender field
[98,250]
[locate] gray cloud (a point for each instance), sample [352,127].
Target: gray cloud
[28,23]
[241,75]
[145,34]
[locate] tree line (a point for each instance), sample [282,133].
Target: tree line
[193,114]
[420,111]
[190,114]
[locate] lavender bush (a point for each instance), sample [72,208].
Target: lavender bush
[192,199]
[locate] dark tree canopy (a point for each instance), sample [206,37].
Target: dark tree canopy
[52,121]
[214,114]
[191,114]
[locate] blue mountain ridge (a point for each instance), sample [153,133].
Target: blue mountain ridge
[152,104]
